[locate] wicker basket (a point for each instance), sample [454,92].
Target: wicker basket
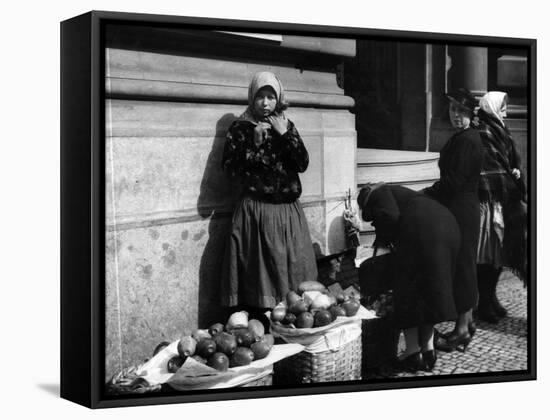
[343,364]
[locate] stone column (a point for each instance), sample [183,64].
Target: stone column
[469,69]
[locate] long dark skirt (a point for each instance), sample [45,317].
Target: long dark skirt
[465,208]
[425,263]
[269,252]
[491,234]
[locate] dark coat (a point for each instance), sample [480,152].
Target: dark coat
[427,241]
[460,165]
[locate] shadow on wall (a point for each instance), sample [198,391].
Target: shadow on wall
[212,195]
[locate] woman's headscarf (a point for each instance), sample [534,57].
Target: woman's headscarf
[259,81]
[378,205]
[491,103]
[364,195]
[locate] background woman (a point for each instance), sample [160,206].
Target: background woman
[426,239]
[460,166]
[503,220]
[269,251]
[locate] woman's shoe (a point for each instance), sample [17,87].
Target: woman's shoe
[454,342]
[412,363]
[428,360]
[438,334]
[472,328]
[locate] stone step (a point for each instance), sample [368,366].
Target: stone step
[413,169]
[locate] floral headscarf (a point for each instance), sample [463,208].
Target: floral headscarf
[259,81]
[491,103]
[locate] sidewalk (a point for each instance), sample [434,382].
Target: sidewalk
[495,347]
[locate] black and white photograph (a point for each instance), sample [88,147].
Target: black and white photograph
[294,208]
[275,210]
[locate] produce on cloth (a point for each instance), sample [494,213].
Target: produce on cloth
[268,339]
[260,349]
[215,329]
[298,307]
[289,319]
[337,311]
[237,320]
[245,337]
[199,359]
[256,328]
[201,356]
[322,302]
[242,342]
[351,307]
[321,318]
[174,364]
[187,346]
[206,348]
[278,313]
[219,361]
[226,343]
[311,285]
[243,356]
[304,320]
[200,335]
[292,297]
[314,308]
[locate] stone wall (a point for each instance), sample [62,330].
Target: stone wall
[168,204]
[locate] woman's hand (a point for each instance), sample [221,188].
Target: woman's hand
[279,123]
[516,173]
[259,133]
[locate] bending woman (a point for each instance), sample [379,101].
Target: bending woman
[460,163]
[426,240]
[502,236]
[269,251]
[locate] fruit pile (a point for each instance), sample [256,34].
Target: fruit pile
[237,343]
[316,307]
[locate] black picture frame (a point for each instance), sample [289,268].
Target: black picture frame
[83,207]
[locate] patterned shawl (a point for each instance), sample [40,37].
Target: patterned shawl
[500,157]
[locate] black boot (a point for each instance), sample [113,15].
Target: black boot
[499,310]
[485,309]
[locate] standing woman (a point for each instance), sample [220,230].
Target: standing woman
[502,239]
[269,250]
[460,166]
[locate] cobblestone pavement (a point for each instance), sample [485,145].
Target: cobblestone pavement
[495,347]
